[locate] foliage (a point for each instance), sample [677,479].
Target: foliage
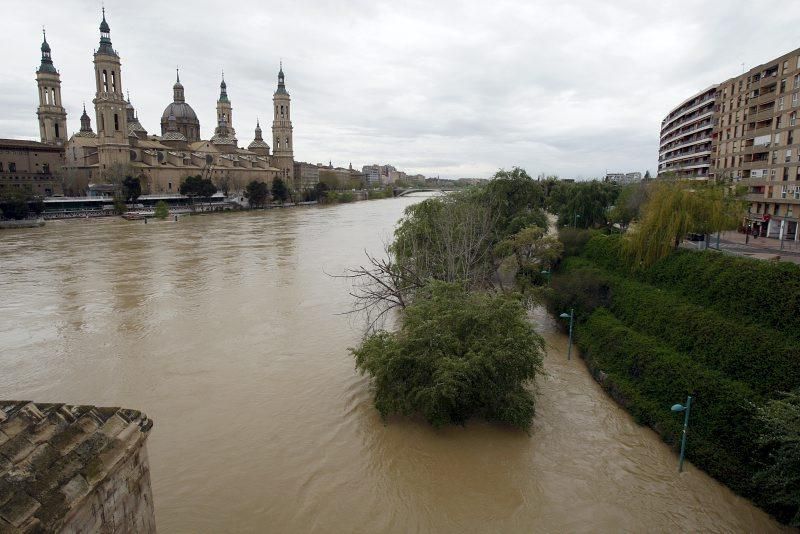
[14,203]
[162,210]
[341,197]
[648,377]
[513,195]
[446,238]
[780,436]
[574,239]
[457,355]
[749,290]
[131,188]
[531,247]
[628,206]
[582,204]
[119,205]
[675,209]
[583,290]
[256,193]
[197,186]
[279,191]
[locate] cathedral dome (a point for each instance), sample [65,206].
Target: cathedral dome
[181,110]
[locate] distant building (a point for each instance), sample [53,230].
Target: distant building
[31,165]
[685,148]
[122,146]
[306,175]
[624,178]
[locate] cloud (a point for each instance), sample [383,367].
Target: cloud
[450,88]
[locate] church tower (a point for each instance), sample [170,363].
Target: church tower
[224,109]
[282,155]
[52,116]
[109,104]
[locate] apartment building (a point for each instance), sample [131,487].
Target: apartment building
[757,143]
[686,135]
[744,130]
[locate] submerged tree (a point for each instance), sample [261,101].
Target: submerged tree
[457,355]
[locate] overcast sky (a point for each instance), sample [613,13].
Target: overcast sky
[455,88]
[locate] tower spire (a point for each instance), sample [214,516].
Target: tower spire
[105,37]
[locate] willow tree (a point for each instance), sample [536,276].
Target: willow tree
[675,209]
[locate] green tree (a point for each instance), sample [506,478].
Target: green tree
[162,210]
[531,247]
[457,355]
[197,187]
[583,204]
[279,191]
[780,420]
[629,204]
[131,188]
[511,195]
[256,193]
[676,208]
[14,203]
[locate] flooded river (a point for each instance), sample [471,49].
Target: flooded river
[225,330]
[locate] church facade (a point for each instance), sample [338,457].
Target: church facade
[122,146]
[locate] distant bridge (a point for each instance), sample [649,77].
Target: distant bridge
[404,192]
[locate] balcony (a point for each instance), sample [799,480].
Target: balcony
[694,127]
[761,115]
[760,164]
[758,132]
[764,98]
[685,155]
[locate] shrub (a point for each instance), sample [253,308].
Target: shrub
[575,239]
[723,425]
[583,288]
[457,355]
[162,210]
[780,436]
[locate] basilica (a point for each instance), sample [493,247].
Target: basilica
[122,146]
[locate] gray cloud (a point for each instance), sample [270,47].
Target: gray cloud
[571,87]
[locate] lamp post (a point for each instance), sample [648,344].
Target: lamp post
[575,220]
[681,408]
[549,274]
[571,316]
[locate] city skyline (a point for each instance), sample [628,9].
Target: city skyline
[454,92]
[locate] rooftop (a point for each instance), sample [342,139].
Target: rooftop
[53,455]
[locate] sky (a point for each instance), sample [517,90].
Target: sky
[450,88]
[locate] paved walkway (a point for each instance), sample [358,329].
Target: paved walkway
[761,248]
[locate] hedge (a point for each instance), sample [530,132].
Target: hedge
[651,377]
[753,291]
[764,359]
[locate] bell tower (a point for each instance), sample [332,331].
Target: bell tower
[224,109]
[282,150]
[110,104]
[52,115]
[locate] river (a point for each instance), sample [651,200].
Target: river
[227,331]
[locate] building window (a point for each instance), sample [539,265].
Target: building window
[169,186]
[58,135]
[12,167]
[45,168]
[116,121]
[113,82]
[780,103]
[105,81]
[788,155]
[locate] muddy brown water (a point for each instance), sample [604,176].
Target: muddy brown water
[225,330]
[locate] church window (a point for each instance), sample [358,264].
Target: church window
[12,167]
[116,121]
[57,134]
[281,111]
[53,94]
[113,82]
[287,143]
[105,81]
[169,186]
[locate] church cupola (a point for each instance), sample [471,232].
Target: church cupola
[105,38]
[86,122]
[177,89]
[47,60]
[259,146]
[223,89]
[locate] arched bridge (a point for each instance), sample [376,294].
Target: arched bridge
[404,192]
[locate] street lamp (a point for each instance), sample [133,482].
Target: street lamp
[681,408]
[548,273]
[575,220]
[571,316]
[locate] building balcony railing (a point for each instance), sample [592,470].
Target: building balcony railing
[760,164]
[685,155]
[668,134]
[683,144]
[694,107]
[757,132]
[760,116]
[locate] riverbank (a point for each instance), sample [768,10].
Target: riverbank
[24,223]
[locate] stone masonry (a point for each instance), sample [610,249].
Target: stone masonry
[74,469]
